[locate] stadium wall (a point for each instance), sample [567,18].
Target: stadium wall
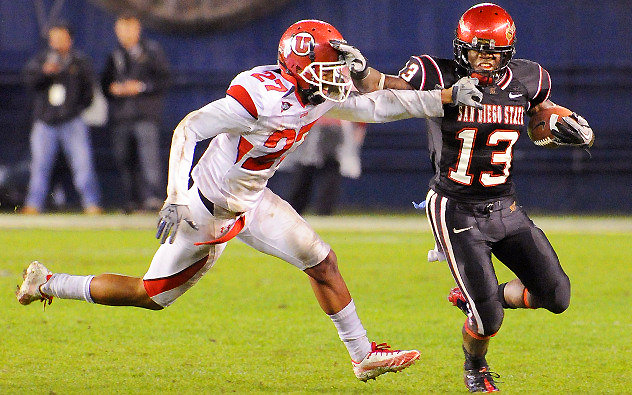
[583,46]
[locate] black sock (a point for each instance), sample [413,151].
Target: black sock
[472,362]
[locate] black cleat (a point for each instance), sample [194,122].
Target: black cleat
[457,299]
[480,380]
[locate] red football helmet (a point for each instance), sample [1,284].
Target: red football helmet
[319,70]
[485,27]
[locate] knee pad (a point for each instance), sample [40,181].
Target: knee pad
[559,298]
[485,319]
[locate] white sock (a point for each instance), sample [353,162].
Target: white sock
[351,332]
[66,286]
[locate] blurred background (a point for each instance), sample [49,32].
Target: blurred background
[585,45]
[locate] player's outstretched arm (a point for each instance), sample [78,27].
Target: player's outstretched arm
[376,80]
[392,104]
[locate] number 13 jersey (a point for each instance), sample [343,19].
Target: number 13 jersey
[472,149]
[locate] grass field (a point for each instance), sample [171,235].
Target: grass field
[252,324]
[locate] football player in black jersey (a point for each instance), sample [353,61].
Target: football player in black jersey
[471,205]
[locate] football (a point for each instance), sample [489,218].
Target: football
[539,128]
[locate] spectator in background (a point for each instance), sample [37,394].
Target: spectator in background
[134,81]
[331,152]
[62,79]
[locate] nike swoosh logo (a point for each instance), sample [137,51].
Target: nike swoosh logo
[455,230]
[514,95]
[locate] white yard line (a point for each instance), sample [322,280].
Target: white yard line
[412,222]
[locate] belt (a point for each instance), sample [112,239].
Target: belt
[489,206]
[207,203]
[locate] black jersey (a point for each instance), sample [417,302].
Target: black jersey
[471,149]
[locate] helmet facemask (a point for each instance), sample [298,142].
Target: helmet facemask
[331,80]
[461,49]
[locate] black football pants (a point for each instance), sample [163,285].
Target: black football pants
[470,233]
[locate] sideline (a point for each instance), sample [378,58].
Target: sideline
[369,222]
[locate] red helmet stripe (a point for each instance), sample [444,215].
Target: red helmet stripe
[240,94]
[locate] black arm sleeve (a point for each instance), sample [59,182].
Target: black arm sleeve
[87,81]
[160,74]
[107,77]
[33,74]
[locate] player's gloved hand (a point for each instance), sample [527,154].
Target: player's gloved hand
[465,92]
[353,57]
[170,217]
[571,130]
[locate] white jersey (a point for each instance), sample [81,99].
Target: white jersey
[258,123]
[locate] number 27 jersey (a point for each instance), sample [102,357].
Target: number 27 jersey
[472,149]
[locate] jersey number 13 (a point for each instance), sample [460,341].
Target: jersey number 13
[461,173]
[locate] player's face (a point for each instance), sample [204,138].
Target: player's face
[483,61]
[329,89]
[59,40]
[333,81]
[128,31]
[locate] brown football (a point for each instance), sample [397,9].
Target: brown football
[539,128]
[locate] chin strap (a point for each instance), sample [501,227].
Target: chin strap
[483,79]
[313,97]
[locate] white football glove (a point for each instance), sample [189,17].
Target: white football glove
[169,221]
[465,92]
[353,57]
[435,255]
[571,130]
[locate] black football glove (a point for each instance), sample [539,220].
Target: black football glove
[170,217]
[571,130]
[353,57]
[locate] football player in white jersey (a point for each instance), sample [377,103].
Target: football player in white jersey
[266,114]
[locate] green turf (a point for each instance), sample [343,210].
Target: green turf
[252,324]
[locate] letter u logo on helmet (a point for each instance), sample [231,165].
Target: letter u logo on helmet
[306,55]
[485,27]
[302,43]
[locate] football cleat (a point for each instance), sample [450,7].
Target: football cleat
[457,299]
[382,360]
[34,276]
[480,380]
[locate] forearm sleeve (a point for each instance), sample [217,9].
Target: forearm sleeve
[389,105]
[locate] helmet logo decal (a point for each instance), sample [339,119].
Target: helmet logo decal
[302,43]
[511,31]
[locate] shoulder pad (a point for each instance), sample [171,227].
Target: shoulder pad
[259,88]
[534,77]
[425,72]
